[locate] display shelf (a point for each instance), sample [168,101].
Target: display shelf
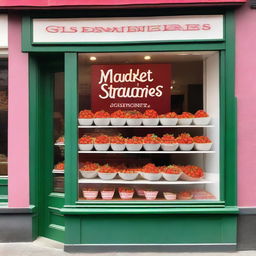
[136,198]
[58,171]
[146,126]
[145,152]
[59,144]
[143,182]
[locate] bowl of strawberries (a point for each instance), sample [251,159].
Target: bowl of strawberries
[151,172]
[168,119]
[169,196]
[107,172]
[185,195]
[117,143]
[150,118]
[59,166]
[201,118]
[150,194]
[186,142]
[107,193]
[126,193]
[185,118]
[134,144]
[85,117]
[89,170]
[85,143]
[90,193]
[134,118]
[128,174]
[202,143]
[118,118]
[169,143]
[102,143]
[151,142]
[101,118]
[171,172]
[191,173]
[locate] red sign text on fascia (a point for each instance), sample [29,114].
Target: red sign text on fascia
[128,29]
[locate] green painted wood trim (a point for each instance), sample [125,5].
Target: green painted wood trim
[231,115]
[149,210]
[71,137]
[3,198]
[135,48]
[3,180]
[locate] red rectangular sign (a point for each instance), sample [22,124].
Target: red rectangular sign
[131,86]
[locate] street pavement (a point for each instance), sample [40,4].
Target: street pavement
[46,247]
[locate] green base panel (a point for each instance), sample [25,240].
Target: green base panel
[150,229]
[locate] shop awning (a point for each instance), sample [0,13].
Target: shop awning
[109,3]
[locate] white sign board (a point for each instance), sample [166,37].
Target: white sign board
[3,31]
[123,29]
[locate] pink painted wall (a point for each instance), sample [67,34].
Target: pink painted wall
[246,93]
[18,122]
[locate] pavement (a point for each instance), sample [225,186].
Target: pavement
[45,247]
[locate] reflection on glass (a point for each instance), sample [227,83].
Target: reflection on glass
[3,116]
[58,122]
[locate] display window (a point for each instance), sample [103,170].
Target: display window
[148,126]
[3,117]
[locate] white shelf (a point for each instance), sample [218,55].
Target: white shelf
[142,181]
[146,126]
[146,152]
[59,144]
[58,171]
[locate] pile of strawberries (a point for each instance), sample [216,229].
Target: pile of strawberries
[149,113]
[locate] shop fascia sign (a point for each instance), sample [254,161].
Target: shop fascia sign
[123,29]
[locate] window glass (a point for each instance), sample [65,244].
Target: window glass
[148,126]
[3,117]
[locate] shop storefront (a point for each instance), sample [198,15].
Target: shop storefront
[132,129]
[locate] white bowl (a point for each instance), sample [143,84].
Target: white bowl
[185,121]
[102,121]
[85,147]
[169,196]
[186,177]
[168,121]
[186,147]
[126,195]
[90,195]
[169,146]
[107,176]
[118,121]
[117,147]
[89,174]
[85,121]
[150,195]
[128,176]
[102,147]
[150,121]
[201,120]
[151,176]
[107,195]
[203,146]
[133,147]
[171,177]
[151,147]
[134,121]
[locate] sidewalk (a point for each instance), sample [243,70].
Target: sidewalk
[46,247]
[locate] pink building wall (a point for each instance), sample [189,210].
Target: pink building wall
[18,118]
[246,92]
